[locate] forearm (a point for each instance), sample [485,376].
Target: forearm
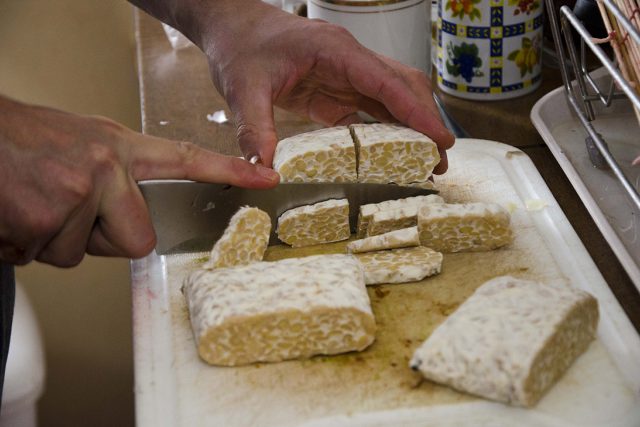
[202,21]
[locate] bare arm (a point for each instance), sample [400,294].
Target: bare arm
[260,56]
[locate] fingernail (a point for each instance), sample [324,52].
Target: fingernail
[267,173]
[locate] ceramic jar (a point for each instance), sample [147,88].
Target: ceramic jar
[489,49]
[400,29]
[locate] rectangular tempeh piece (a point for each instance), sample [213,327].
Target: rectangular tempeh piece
[393,153]
[403,238]
[428,185]
[400,265]
[510,341]
[244,240]
[324,155]
[308,225]
[386,221]
[367,211]
[274,311]
[465,227]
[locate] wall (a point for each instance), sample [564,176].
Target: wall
[78,56]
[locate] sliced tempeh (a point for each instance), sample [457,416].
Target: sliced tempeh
[274,311]
[244,240]
[324,155]
[367,211]
[464,227]
[428,185]
[400,265]
[393,153]
[322,222]
[510,341]
[403,238]
[386,221]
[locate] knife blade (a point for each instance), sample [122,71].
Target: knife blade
[451,124]
[190,216]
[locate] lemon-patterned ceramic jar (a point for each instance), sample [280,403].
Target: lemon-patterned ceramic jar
[489,49]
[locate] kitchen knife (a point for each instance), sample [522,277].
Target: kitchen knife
[190,216]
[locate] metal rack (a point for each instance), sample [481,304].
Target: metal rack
[585,92]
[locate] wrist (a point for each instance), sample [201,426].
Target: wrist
[208,22]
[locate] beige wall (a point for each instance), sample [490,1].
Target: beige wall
[77,55]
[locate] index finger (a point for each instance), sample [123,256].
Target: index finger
[158,158]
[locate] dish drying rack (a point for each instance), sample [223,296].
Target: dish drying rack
[586,91]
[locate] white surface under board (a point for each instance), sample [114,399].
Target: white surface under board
[175,388]
[603,195]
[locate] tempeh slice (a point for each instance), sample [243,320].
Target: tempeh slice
[510,341]
[367,211]
[274,311]
[324,155]
[465,227]
[244,240]
[322,222]
[428,185]
[400,265]
[386,221]
[403,238]
[393,153]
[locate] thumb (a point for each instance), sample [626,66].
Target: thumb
[255,129]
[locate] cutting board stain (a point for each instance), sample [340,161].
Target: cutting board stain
[286,394]
[406,314]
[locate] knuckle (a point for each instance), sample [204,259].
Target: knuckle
[62,260]
[107,124]
[409,117]
[239,168]
[104,157]
[143,247]
[247,132]
[79,187]
[72,260]
[418,77]
[187,151]
[70,183]
[338,31]
[43,225]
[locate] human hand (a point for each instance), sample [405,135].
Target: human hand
[68,184]
[264,57]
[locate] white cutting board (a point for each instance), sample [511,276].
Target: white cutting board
[376,388]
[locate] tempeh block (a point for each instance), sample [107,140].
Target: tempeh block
[510,341]
[465,227]
[367,211]
[393,153]
[244,240]
[403,238]
[324,155]
[274,311]
[308,225]
[400,265]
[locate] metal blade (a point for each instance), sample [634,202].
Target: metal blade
[190,216]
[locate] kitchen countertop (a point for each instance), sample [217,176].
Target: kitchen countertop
[177,95]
